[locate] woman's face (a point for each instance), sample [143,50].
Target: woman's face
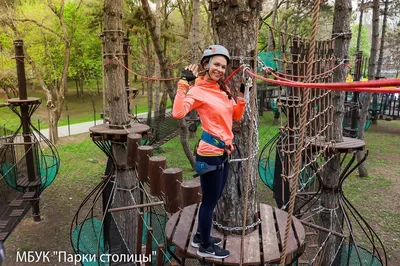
[217,67]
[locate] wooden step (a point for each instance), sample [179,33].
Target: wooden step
[311,234]
[29,195]
[304,262]
[3,236]
[17,213]
[16,203]
[3,223]
[24,182]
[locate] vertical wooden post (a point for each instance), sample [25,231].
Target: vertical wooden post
[31,161]
[144,153]
[157,164]
[149,240]
[160,255]
[172,181]
[133,144]
[190,191]
[139,233]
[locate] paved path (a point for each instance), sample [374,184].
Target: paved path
[65,131]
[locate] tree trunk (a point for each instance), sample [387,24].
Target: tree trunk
[331,171]
[113,71]
[53,125]
[236,29]
[125,194]
[383,39]
[194,50]
[362,169]
[157,71]
[274,15]
[149,83]
[166,73]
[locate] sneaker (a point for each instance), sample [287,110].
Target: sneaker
[212,251]
[196,241]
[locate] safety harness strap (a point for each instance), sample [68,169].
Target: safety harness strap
[210,139]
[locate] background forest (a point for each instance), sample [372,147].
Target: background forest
[63,42]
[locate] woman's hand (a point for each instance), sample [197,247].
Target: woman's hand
[190,72]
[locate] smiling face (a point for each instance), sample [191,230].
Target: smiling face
[217,68]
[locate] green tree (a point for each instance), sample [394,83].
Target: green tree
[365,43]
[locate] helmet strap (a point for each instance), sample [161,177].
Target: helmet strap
[207,68]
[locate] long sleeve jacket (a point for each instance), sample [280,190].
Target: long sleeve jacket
[215,109]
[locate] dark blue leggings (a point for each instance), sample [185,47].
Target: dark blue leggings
[212,185]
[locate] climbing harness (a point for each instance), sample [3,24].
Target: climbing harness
[202,167]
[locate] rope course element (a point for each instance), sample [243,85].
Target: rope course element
[293,183]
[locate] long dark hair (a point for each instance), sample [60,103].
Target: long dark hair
[221,81]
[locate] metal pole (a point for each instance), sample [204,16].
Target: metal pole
[25,120]
[69,129]
[38,123]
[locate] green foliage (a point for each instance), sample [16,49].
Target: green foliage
[365,45]
[86,47]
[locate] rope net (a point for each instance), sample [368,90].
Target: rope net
[300,155]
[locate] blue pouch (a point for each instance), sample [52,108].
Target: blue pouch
[202,168]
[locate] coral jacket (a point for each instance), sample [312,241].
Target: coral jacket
[215,109]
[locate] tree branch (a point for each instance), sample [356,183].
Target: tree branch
[43,27]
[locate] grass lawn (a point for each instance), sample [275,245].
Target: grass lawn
[377,197]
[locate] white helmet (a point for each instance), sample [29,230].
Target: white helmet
[212,50]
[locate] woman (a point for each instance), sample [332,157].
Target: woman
[216,107]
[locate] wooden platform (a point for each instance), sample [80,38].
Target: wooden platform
[260,246]
[104,129]
[348,145]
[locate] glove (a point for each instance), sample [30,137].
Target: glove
[188,75]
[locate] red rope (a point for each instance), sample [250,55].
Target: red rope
[139,75]
[368,86]
[233,73]
[313,76]
[19,59]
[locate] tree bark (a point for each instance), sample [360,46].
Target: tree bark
[236,29]
[125,193]
[331,170]
[362,169]
[383,39]
[149,83]
[274,16]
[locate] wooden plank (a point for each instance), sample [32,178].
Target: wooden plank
[3,224]
[233,244]
[3,236]
[184,227]
[17,213]
[191,251]
[270,244]
[29,195]
[281,219]
[16,203]
[300,231]
[169,229]
[252,254]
